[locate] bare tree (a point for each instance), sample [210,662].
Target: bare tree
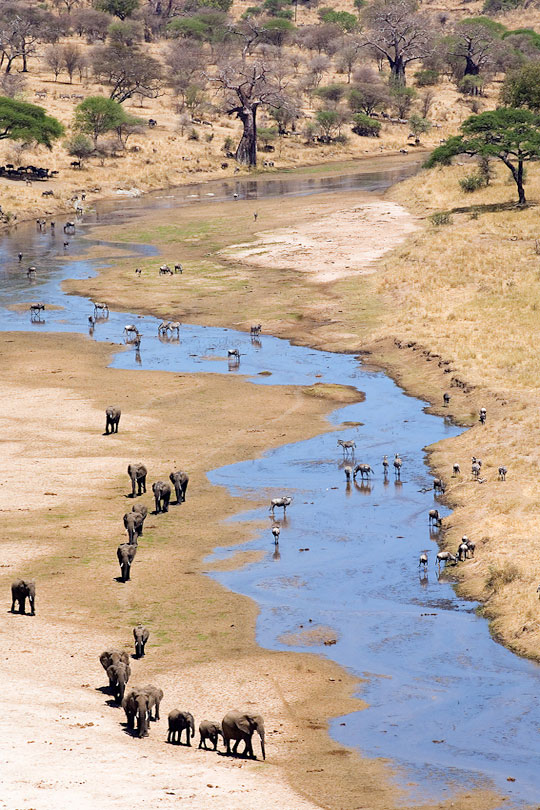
[54,60]
[186,61]
[22,28]
[69,5]
[246,88]
[426,102]
[325,38]
[128,71]
[471,48]
[398,34]
[72,58]
[348,55]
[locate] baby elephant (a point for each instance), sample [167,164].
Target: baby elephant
[209,731]
[155,696]
[113,418]
[113,656]
[162,496]
[180,481]
[21,590]
[140,634]
[178,721]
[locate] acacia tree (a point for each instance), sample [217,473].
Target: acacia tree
[511,135]
[248,87]
[398,33]
[129,71]
[20,121]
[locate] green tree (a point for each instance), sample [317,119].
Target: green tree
[96,115]
[79,146]
[511,135]
[20,121]
[328,121]
[419,126]
[521,87]
[347,22]
[118,8]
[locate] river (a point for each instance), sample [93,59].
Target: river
[446,703]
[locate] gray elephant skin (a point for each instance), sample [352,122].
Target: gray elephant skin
[155,696]
[239,727]
[112,416]
[133,524]
[137,474]
[135,705]
[180,481]
[113,656]
[141,635]
[178,722]
[162,496]
[209,730]
[21,590]
[118,674]
[126,554]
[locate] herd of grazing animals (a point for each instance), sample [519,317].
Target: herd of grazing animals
[141,703]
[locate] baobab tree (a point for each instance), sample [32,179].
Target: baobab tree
[397,32]
[248,86]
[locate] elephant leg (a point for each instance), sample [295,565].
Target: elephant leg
[188,733]
[22,605]
[228,745]
[215,740]
[169,736]
[133,488]
[235,747]
[13,606]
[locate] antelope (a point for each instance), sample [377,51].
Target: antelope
[385,465]
[475,469]
[276,531]
[284,502]
[174,326]
[178,269]
[438,485]
[456,469]
[482,416]
[165,270]
[502,473]
[397,465]
[471,546]
[434,515]
[348,472]
[162,328]
[233,353]
[255,330]
[363,469]
[100,307]
[132,334]
[348,446]
[445,556]
[446,399]
[462,551]
[423,560]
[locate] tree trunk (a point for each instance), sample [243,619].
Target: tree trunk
[517,174]
[246,152]
[24,62]
[397,69]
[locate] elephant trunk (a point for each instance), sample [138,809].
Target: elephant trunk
[142,722]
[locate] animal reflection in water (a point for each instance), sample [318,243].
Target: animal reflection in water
[36,311]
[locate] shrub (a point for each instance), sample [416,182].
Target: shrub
[426,78]
[472,182]
[79,146]
[441,218]
[366,126]
[471,85]
[193,135]
[500,6]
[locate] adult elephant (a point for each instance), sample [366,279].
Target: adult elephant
[140,634]
[21,590]
[135,705]
[142,510]
[162,496]
[137,474]
[112,416]
[119,674]
[133,523]
[180,481]
[126,554]
[178,722]
[113,656]
[241,727]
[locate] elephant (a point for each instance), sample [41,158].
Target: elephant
[140,634]
[119,674]
[178,721]
[180,481]
[126,554]
[162,496]
[21,590]
[112,419]
[133,523]
[137,473]
[142,510]
[113,656]
[135,705]
[155,696]
[209,730]
[237,726]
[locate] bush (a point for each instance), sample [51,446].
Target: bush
[193,135]
[79,146]
[426,78]
[500,6]
[500,575]
[472,182]
[471,85]
[441,218]
[366,126]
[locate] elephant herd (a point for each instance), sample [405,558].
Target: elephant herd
[134,520]
[141,707]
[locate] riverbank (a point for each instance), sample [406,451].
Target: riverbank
[441,291]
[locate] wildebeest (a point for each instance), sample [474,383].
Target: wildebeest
[434,515]
[445,556]
[446,399]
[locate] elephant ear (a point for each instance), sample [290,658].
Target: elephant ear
[243,723]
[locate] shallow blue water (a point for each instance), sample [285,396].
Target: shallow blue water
[433,672]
